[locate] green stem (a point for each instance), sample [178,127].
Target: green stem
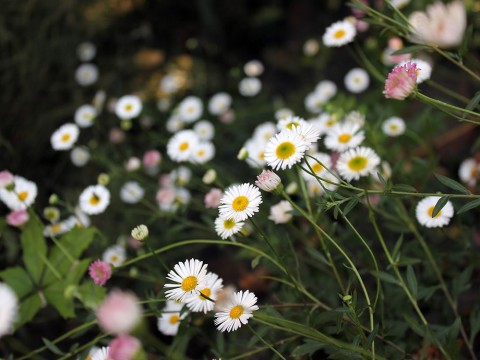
[440,103]
[266,343]
[456,62]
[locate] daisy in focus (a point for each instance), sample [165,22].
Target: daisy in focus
[359,162]
[199,303]
[284,150]
[339,33]
[424,212]
[169,322]
[94,199]
[236,312]
[100,354]
[187,277]
[64,137]
[240,202]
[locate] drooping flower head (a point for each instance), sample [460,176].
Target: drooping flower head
[401,81]
[268,181]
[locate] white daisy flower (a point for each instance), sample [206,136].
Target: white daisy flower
[170,84]
[22,196]
[204,129]
[283,113]
[284,150]
[423,70]
[198,303]
[400,3]
[219,103]
[128,107]
[85,115]
[203,153]
[86,74]
[169,322]
[181,145]
[253,68]
[80,156]
[311,47]
[8,310]
[188,277]
[100,354]
[281,212]
[308,132]
[86,51]
[174,124]
[355,117]
[190,109]
[237,312]
[256,153]
[64,137]
[289,122]
[393,126]
[319,164]
[324,122]
[326,89]
[115,255]
[339,33]
[60,228]
[424,211]
[343,136]
[94,199]
[264,132]
[357,80]
[468,171]
[358,162]
[227,227]
[314,102]
[82,219]
[249,86]
[240,202]
[181,175]
[131,192]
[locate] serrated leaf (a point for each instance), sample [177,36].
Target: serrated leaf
[52,347]
[34,247]
[452,184]
[412,281]
[439,205]
[469,206]
[472,104]
[410,49]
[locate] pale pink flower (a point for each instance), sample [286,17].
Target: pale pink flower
[124,347]
[100,271]
[212,198]
[281,213]
[401,81]
[268,181]
[166,196]
[151,159]
[133,164]
[227,117]
[116,135]
[6,178]
[134,243]
[18,218]
[119,313]
[165,180]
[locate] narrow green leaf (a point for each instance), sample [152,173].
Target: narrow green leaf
[372,335]
[410,49]
[469,206]
[452,184]
[412,281]
[385,277]
[414,325]
[466,40]
[439,205]
[382,179]
[350,205]
[396,248]
[52,347]
[255,261]
[308,348]
[472,104]
[404,188]
[34,247]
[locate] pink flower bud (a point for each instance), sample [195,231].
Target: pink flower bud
[6,178]
[401,81]
[18,218]
[152,159]
[100,272]
[124,347]
[212,198]
[268,181]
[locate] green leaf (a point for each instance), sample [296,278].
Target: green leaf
[382,179]
[474,324]
[385,277]
[318,256]
[91,295]
[308,348]
[467,38]
[28,308]
[52,347]
[462,282]
[350,205]
[469,206]
[439,205]
[410,49]
[472,104]
[396,248]
[452,184]
[34,247]
[255,261]
[426,293]
[18,279]
[412,281]
[404,188]
[414,325]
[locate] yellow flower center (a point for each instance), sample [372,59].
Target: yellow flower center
[430,212]
[65,137]
[94,199]
[291,125]
[174,319]
[285,150]
[56,228]
[207,292]
[357,163]
[183,146]
[189,283]
[317,168]
[236,312]
[114,258]
[262,155]
[240,203]
[330,122]
[200,153]
[339,34]
[344,138]
[22,195]
[229,223]
[393,127]
[128,107]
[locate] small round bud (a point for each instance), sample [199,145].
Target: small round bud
[209,176]
[51,213]
[126,125]
[133,272]
[53,199]
[242,154]
[291,188]
[140,232]
[103,179]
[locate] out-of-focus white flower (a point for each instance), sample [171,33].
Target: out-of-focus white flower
[393,126]
[424,69]
[424,212]
[8,310]
[357,80]
[86,74]
[249,86]
[86,51]
[339,33]
[281,212]
[128,107]
[80,155]
[190,109]
[22,195]
[219,103]
[64,137]
[253,68]
[131,192]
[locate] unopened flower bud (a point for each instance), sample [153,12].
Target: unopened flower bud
[51,213]
[209,177]
[291,188]
[103,179]
[140,232]
[242,154]
[53,199]
[269,181]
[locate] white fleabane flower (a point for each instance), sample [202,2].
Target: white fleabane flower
[326,89]
[339,33]
[308,132]
[283,113]
[468,171]
[100,354]
[64,137]
[284,150]
[190,109]
[289,122]
[170,84]
[424,212]
[199,303]
[264,132]
[94,199]
[256,153]
[169,322]
[86,74]
[203,153]
[318,164]
[131,192]
[80,155]
[227,227]
[343,136]
[86,51]
[219,103]
[253,68]
[114,255]
[281,212]
[236,312]
[249,86]
[181,145]
[357,80]
[187,277]
[128,107]
[8,309]
[358,162]
[317,187]
[85,115]
[240,202]
[61,227]
[22,196]
[423,70]
[204,129]
[393,126]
